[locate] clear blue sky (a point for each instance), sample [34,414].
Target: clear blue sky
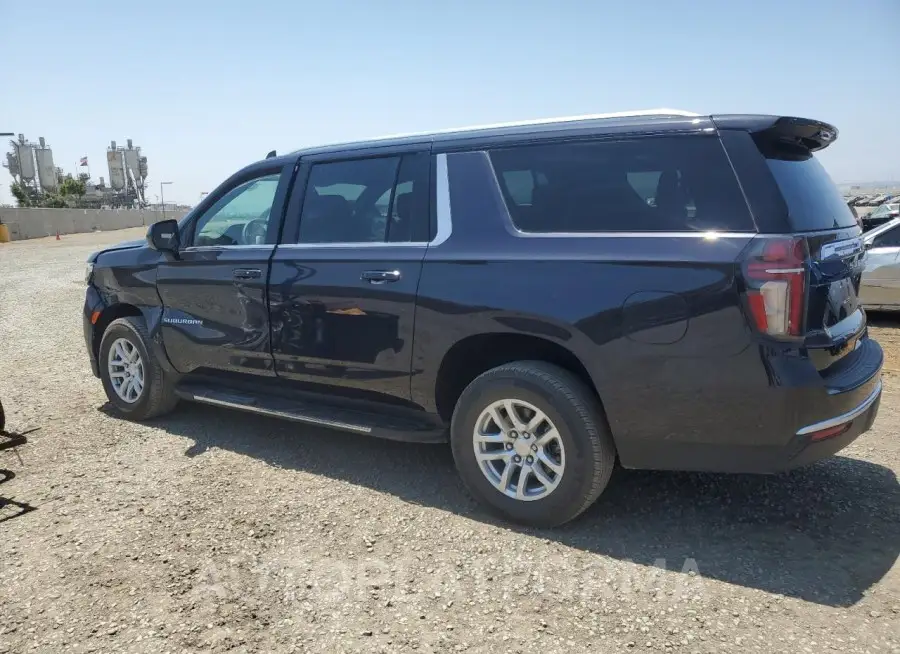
[206,90]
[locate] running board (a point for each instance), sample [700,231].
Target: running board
[319,412]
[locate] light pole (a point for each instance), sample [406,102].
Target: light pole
[6,134]
[162,198]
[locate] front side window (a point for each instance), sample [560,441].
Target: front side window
[639,185]
[381,200]
[241,216]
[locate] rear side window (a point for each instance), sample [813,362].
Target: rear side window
[651,184]
[380,200]
[812,199]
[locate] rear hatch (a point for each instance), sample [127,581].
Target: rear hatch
[803,285]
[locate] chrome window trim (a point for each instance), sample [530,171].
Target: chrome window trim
[363,244]
[663,112]
[710,235]
[208,248]
[443,215]
[442,205]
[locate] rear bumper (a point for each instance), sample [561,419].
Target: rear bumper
[852,423]
[773,428]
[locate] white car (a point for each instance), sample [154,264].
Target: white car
[880,287]
[882,214]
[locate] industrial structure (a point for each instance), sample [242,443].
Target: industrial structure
[31,166]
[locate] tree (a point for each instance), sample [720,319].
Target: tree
[20,193]
[53,202]
[72,187]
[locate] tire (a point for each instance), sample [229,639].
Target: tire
[586,447]
[157,396]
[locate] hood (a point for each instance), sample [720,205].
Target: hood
[124,245]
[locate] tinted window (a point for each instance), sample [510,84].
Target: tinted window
[888,239]
[366,201]
[241,216]
[813,200]
[648,184]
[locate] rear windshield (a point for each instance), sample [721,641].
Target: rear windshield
[813,200]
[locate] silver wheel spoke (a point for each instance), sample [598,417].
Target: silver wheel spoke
[550,463]
[491,439]
[513,416]
[545,439]
[536,420]
[506,476]
[543,477]
[502,424]
[522,486]
[494,455]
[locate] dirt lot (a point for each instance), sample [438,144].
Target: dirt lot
[211,530]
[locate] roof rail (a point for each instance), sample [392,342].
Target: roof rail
[546,121]
[672,113]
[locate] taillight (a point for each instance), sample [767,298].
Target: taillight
[775,272]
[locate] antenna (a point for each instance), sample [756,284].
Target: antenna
[270,155]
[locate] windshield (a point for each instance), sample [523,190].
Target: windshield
[883,211]
[813,200]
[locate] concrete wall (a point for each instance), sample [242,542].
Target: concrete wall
[36,223]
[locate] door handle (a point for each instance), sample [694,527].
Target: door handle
[381,276]
[247,273]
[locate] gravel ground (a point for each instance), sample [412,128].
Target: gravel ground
[211,530]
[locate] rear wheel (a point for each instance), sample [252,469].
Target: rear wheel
[133,380]
[530,441]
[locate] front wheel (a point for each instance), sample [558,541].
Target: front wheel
[132,378]
[530,440]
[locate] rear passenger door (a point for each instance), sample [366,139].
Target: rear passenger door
[343,282]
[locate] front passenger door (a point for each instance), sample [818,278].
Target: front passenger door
[215,314]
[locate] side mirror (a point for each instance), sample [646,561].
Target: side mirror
[163,236]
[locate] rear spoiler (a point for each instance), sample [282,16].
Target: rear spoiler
[811,135]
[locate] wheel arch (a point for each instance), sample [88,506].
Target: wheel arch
[110,313]
[477,353]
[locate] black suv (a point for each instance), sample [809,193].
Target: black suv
[669,290]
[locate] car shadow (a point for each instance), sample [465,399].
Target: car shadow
[825,533]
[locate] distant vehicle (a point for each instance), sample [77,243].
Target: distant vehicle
[881,215]
[880,288]
[513,289]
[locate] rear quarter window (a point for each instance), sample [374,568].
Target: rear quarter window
[647,184]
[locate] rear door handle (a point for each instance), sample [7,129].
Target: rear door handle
[247,273]
[381,276]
